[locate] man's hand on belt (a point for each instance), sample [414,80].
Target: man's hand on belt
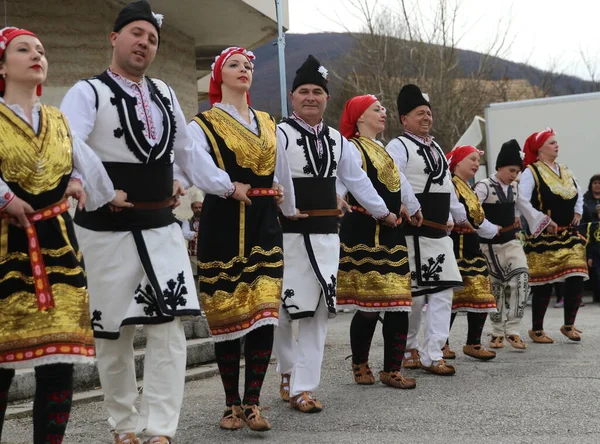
[18,210]
[390,220]
[343,206]
[449,225]
[178,190]
[119,202]
[280,198]
[416,219]
[76,191]
[240,192]
[298,215]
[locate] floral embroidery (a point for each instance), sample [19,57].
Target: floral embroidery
[175,292]
[96,318]
[287,294]
[433,268]
[147,297]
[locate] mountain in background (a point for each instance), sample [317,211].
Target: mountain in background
[331,47]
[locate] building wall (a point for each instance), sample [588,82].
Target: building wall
[76,36]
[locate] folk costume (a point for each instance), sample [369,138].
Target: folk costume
[318,155]
[590,228]
[430,252]
[552,194]
[373,274]
[504,253]
[240,257]
[44,307]
[138,131]
[475,298]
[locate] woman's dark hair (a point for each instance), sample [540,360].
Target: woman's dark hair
[595,177]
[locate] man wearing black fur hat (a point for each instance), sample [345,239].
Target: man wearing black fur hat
[499,196]
[433,266]
[318,155]
[137,263]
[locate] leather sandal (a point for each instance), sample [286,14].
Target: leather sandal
[363,374]
[447,353]
[540,337]
[395,379]
[252,416]
[231,419]
[284,387]
[478,352]
[516,342]
[306,403]
[159,440]
[571,332]
[497,342]
[440,368]
[413,361]
[126,438]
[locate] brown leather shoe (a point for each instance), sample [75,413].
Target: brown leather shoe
[252,416]
[126,438]
[363,374]
[232,419]
[395,379]
[440,368]
[478,352]
[447,353]
[571,332]
[516,342]
[414,361]
[497,342]
[540,337]
[306,403]
[159,440]
[284,387]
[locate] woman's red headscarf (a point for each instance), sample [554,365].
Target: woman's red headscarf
[459,153]
[6,36]
[214,89]
[533,145]
[355,107]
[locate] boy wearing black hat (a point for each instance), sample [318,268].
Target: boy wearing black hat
[318,155]
[137,263]
[499,196]
[434,271]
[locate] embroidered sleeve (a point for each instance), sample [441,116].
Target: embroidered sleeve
[6,195]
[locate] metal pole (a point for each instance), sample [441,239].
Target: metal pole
[281,50]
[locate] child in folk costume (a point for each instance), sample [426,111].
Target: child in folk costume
[240,257]
[476,297]
[44,309]
[374,275]
[555,251]
[499,197]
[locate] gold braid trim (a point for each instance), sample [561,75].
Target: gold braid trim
[387,172]
[471,200]
[255,152]
[235,260]
[368,260]
[563,185]
[29,280]
[18,255]
[363,247]
[36,162]
[251,269]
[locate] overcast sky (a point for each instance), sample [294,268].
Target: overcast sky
[544,33]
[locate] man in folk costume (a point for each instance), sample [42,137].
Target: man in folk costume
[434,271]
[137,128]
[499,197]
[555,251]
[190,229]
[317,155]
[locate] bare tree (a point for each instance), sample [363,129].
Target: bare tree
[410,45]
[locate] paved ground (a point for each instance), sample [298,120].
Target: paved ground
[547,394]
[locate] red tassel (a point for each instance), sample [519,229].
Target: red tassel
[38,90]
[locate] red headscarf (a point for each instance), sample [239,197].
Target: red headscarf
[214,90]
[533,145]
[355,107]
[6,36]
[459,153]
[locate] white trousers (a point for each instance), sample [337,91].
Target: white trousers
[164,379]
[511,297]
[437,325]
[302,358]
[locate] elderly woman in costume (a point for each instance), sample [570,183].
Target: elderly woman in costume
[44,312]
[476,297]
[555,252]
[240,257]
[374,276]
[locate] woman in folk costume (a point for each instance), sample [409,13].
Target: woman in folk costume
[476,297]
[374,276]
[555,252]
[44,312]
[240,257]
[501,202]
